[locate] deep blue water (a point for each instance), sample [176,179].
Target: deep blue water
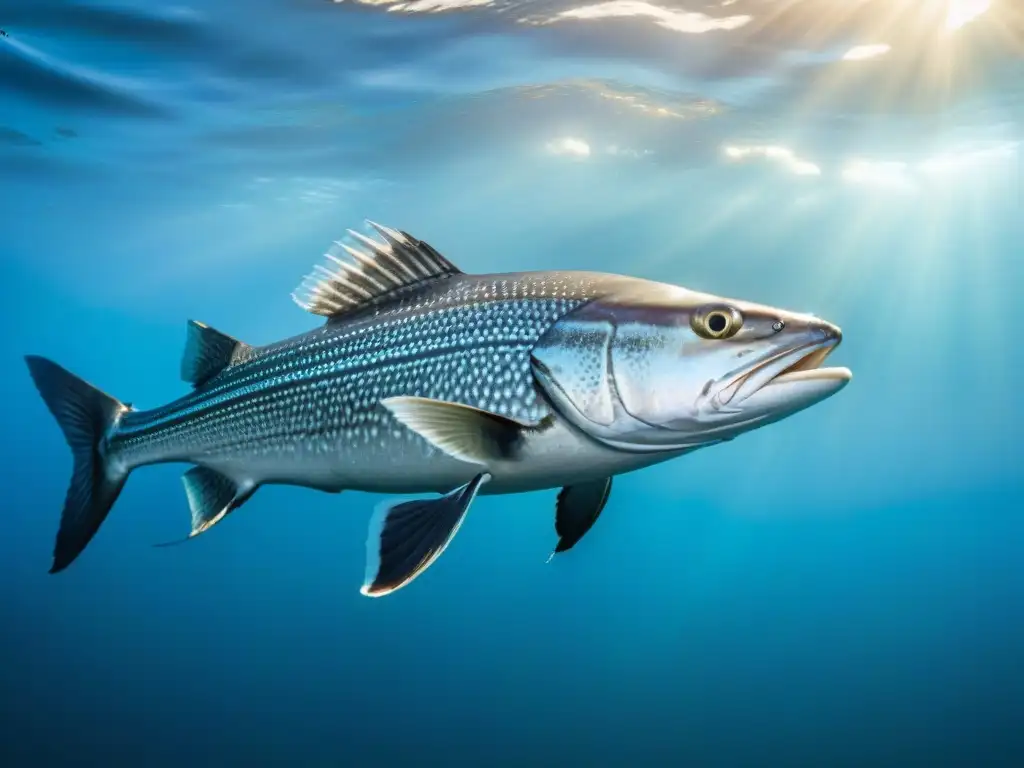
[845,587]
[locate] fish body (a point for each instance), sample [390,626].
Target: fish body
[427,379]
[308,410]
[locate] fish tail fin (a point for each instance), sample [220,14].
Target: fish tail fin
[85,415]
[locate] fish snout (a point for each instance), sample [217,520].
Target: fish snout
[832,333]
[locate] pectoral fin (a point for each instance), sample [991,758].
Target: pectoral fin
[461,431]
[407,537]
[577,510]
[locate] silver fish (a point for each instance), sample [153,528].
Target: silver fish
[427,379]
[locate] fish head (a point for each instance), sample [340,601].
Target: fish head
[661,368]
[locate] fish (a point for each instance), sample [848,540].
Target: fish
[423,379]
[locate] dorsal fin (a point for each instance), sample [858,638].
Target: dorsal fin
[208,352]
[376,270]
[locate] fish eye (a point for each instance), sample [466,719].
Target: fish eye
[717,323]
[778,325]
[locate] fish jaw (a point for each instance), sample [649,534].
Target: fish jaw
[794,382]
[790,379]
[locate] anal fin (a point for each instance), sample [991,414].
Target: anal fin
[405,538]
[211,496]
[577,510]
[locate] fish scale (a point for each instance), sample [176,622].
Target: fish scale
[485,315]
[318,393]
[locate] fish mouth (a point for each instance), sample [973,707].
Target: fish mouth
[799,364]
[808,367]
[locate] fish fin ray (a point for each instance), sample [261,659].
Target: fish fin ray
[85,415]
[374,271]
[211,496]
[208,352]
[577,509]
[461,431]
[406,537]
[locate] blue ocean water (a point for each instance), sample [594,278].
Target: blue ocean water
[845,587]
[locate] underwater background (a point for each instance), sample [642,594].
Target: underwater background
[845,587]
